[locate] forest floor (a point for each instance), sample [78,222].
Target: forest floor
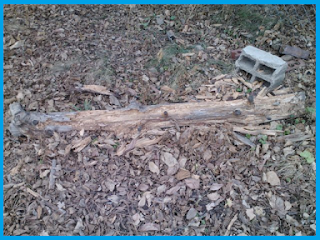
[196,180]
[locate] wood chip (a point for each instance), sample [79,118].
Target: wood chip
[249,85]
[79,146]
[256,132]
[219,77]
[33,193]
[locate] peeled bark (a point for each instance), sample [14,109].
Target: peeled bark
[136,118]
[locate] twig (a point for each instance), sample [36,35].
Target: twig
[52,172]
[230,224]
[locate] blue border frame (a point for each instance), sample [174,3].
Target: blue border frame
[151,2]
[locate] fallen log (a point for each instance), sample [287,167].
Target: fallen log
[137,117]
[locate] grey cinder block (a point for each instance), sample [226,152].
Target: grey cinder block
[262,65]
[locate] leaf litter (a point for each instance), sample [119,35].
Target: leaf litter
[186,180]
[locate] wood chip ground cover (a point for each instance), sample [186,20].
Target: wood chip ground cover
[184,180]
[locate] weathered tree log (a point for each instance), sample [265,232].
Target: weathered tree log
[135,118]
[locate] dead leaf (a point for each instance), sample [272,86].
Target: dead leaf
[114,100]
[182,174]
[79,226]
[259,211]
[191,213]
[213,196]
[154,168]
[160,55]
[287,205]
[142,201]
[110,184]
[17,168]
[44,233]
[59,187]
[173,190]
[277,204]
[136,219]
[149,227]
[192,183]
[172,170]
[216,186]
[250,213]
[80,145]
[229,203]
[168,159]
[39,212]
[272,178]
[207,155]
[17,44]
[211,206]
[161,189]
[166,88]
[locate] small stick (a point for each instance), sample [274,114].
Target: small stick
[52,172]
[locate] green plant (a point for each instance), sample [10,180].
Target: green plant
[248,136]
[239,90]
[263,139]
[310,110]
[287,132]
[76,108]
[279,127]
[115,146]
[308,156]
[87,105]
[249,90]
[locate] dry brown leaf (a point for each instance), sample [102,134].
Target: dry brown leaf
[142,201]
[136,219]
[173,190]
[213,196]
[161,189]
[144,142]
[166,88]
[182,174]
[207,155]
[17,44]
[60,187]
[149,227]
[17,168]
[250,213]
[272,178]
[173,169]
[154,168]
[216,186]
[39,212]
[80,145]
[191,213]
[169,159]
[287,205]
[211,206]
[277,203]
[192,183]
